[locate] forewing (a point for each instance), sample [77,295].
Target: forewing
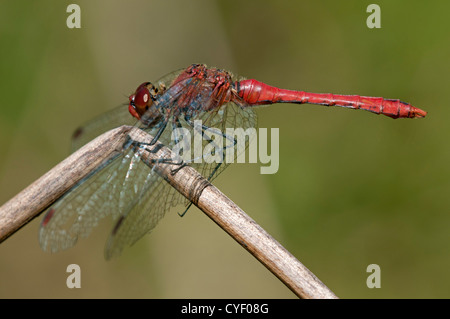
[153,195]
[80,210]
[239,119]
[126,188]
[101,124]
[144,199]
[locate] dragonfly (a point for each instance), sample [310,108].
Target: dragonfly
[135,196]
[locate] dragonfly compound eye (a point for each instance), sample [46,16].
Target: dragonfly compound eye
[141,100]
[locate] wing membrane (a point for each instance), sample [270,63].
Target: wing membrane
[126,188]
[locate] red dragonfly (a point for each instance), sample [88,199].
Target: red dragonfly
[134,195]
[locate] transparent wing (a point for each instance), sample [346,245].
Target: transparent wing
[229,117]
[157,196]
[145,197]
[80,210]
[126,188]
[101,124]
[113,190]
[123,187]
[153,196]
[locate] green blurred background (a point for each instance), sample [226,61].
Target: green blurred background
[353,188]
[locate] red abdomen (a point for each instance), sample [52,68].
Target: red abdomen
[257,93]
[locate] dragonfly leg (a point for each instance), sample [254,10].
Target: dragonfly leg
[145,147]
[177,125]
[158,134]
[185,211]
[203,129]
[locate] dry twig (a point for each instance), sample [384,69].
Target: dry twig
[42,193]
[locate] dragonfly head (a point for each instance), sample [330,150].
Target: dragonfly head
[142,100]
